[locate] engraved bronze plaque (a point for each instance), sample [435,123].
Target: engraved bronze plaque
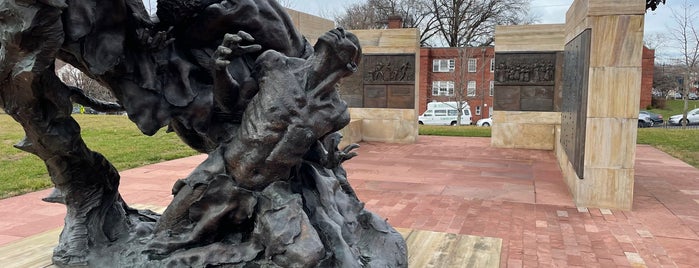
[353,100]
[536,98]
[506,98]
[382,81]
[389,69]
[351,89]
[574,103]
[531,75]
[375,96]
[401,97]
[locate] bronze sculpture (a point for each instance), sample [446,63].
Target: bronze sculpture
[261,102]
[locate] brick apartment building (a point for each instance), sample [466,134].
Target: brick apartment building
[453,74]
[647,69]
[445,72]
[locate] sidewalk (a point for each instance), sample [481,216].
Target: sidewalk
[462,185]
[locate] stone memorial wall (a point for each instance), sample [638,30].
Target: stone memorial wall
[592,128]
[527,99]
[382,96]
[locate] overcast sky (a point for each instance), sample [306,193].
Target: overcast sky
[547,11]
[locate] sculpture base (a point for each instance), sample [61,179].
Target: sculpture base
[36,250]
[314,219]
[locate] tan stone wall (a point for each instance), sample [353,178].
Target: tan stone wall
[389,125]
[352,133]
[389,41]
[530,38]
[524,130]
[527,130]
[310,26]
[612,112]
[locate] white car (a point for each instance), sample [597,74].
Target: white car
[692,118]
[485,122]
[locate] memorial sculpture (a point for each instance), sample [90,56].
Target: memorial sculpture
[235,80]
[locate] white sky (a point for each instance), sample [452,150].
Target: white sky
[547,11]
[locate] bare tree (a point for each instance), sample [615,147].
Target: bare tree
[362,16]
[665,78]
[685,35]
[472,22]
[454,23]
[374,14]
[74,77]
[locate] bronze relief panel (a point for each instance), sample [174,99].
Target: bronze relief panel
[389,69]
[534,75]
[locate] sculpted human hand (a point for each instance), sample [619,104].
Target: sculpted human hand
[154,41]
[231,47]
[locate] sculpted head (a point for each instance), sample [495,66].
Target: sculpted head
[341,49]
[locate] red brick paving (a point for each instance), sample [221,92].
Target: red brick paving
[462,185]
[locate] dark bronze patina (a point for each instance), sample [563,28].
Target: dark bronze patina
[387,81]
[525,81]
[574,106]
[235,80]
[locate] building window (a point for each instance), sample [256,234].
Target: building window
[471,89]
[478,110]
[472,65]
[492,88]
[442,88]
[492,65]
[443,65]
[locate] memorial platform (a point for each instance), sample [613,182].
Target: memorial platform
[459,202]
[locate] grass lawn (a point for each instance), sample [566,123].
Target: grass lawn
[683,144]
[680,143]
[123,144]
[461,131]
[112,135]
[674,107]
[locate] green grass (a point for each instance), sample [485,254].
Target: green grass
[674,107]
[112,135]
[123,144]
[680,143]
[683,144]
[461,131]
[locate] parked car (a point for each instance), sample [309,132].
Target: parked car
[693,96]
[485,122]
[657,118]
[692,118]
[678,96]
[644,121]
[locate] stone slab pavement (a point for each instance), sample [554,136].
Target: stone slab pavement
[462,185]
